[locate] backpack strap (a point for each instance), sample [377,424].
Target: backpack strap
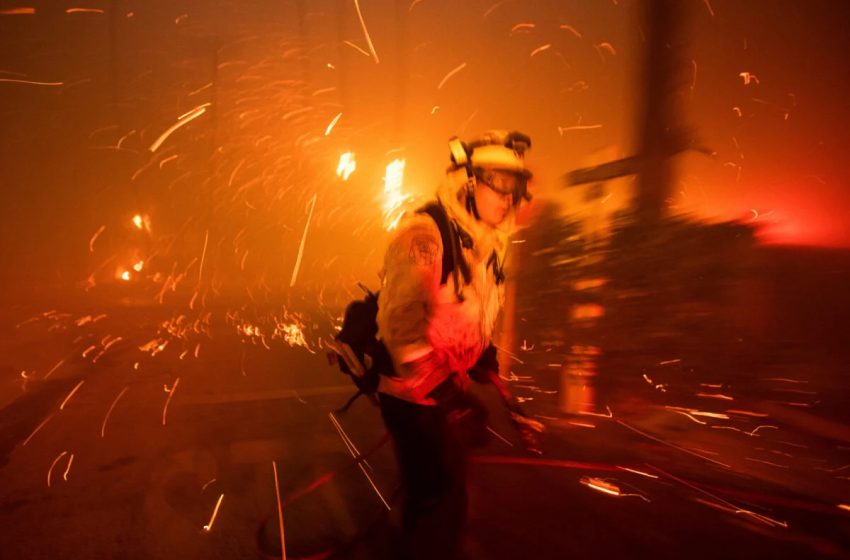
[452,256]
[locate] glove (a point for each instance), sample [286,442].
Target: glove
[487,364]
[527,428]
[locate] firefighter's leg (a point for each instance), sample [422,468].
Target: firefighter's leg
[432,467]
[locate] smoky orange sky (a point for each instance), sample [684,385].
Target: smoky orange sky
[767,93]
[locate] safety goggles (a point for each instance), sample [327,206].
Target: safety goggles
[504,182]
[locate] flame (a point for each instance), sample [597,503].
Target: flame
[125,275]
[141,221]
[346,165]
[394,197]
[294,335]
[138,266]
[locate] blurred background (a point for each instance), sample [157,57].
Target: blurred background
[191,190]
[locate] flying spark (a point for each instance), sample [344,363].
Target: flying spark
[208,526]
[303,239]
[183,120]
[366,32]
[53,465]
[71,394]
[279,512]
[332,124]
[168,400]
[450,74]
[111,407]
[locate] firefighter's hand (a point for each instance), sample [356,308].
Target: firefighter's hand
[527,428]
[486,367]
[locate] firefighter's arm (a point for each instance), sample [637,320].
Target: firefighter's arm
[412,278]
[486,370]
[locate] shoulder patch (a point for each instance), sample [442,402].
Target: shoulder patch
[423,250]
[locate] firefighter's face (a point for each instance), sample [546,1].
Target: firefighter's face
[494,205]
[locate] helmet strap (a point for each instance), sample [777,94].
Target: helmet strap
[471,207]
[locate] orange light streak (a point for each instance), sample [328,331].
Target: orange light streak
[168,400]
[17,11]
[111,342]
[208,526]
[111,407]
[68,468]
[166,160]
[54,368]
[36,430]
[759,428]
[94,238]
[605,46]
[716,396]
[450,74]
[522,26]
[203,256]
[71,394]
[366,32]
[498,435]
[698,412]
[845,507]
[540,49]
[563,129]
[279,512]
[726,506]
[747,413]
[181,121]
[609,415]
[571,29]
[358,49]
[638,472]
[29,82]
[84,11]
[492,8]
[767,463]
[332,124]
[303,239]
[50,470]
[673,445]
[352,449]
[600,485]
[689,416]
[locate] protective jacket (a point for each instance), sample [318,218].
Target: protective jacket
[418,316]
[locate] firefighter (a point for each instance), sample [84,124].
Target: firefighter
[438,324]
